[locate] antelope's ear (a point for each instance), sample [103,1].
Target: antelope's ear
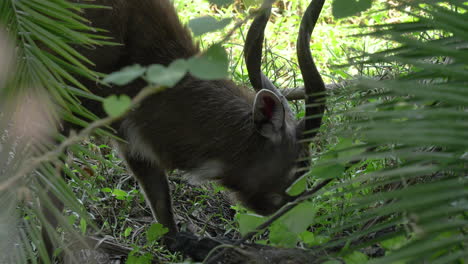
[268,115]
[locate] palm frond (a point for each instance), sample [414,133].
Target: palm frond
[45,34]
[418,124]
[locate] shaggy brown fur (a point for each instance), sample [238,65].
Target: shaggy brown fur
[212,129]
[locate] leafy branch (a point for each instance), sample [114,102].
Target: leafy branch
[53,155]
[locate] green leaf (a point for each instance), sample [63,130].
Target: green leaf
[125,75]
[160,75]
[307,237]
[248,222]
[299,218]
[144,259]
[211,65]
[106,190]
[355,258]
[394,243]
[205,24]
[72,218]
[345,8]
[119,194]
[347,148]
[116,106]
[83,226]
[127,231]
[327,171]
[221,3]
[280,235]
[132,259]
[313,240]
[155,232]
[298,186]
[286,231]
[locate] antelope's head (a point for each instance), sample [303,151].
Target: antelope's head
[283,154]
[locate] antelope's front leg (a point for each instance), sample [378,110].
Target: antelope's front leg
[153,181]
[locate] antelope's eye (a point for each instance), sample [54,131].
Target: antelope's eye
[275,199]
[292,173]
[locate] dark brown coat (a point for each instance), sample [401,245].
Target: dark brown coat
[211,129]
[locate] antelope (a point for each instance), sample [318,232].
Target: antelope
[248,141]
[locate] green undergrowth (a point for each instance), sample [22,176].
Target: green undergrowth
[116,204]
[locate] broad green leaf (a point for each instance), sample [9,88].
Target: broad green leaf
[106,190]
[155,232]
[132,259]
[327,171]
[119,194]
[205,24]
[298,186]
[313,240]
[307,237]
[355,258]
[144,259]
[211,65]
[280,235]
[298,219]
[347,148]
[125,75]
[394,243]
[160,75]
[127,231]
[72,218]
[345,8]
[248,222]
[116,105]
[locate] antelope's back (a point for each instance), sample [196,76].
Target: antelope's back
[183,126]
[147,31]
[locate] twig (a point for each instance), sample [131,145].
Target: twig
[237,26]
